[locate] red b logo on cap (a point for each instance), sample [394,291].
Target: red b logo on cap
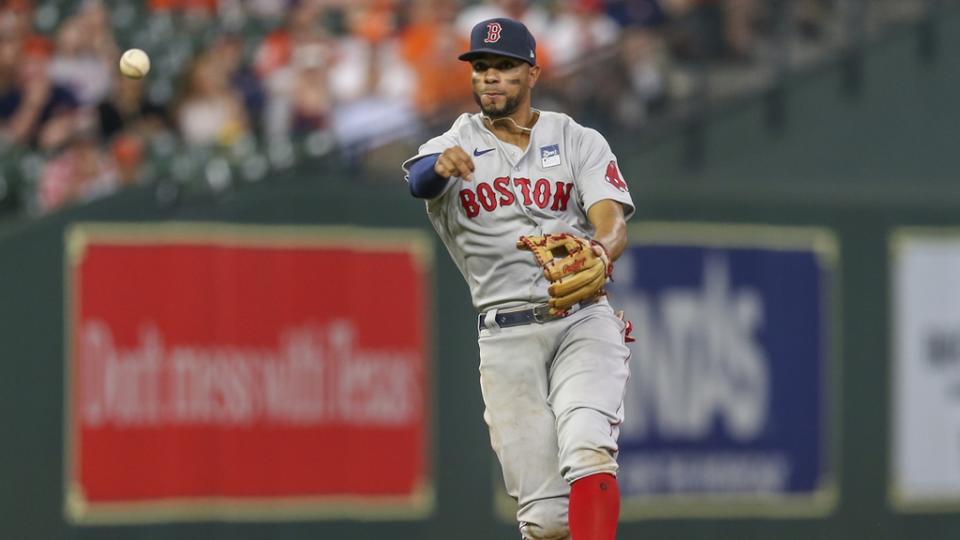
[493,32]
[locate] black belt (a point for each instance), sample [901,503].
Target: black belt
[537,314]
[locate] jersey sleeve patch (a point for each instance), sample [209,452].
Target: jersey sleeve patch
[613,177]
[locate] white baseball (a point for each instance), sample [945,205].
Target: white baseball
[134,64]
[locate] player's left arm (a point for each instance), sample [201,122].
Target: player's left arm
[608,221]
[576,267]
[603,192]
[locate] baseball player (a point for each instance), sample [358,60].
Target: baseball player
[532,208]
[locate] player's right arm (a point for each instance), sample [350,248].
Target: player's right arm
[430,174]
[438,160]
[455,161]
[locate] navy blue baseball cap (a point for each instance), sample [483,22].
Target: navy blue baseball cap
[505,37]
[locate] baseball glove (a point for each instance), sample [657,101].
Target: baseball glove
[576,267]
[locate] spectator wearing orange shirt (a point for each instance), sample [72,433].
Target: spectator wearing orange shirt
[371,83]
[292,64]
[426,44]
[302,25]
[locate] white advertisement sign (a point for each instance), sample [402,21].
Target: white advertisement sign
[926,371]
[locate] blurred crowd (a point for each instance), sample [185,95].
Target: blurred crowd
[244,84]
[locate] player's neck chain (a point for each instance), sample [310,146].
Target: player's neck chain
[523,129]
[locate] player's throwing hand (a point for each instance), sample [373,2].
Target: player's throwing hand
[454,161]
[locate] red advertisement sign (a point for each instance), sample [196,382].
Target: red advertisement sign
[238,372]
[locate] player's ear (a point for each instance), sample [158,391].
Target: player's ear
[534,75]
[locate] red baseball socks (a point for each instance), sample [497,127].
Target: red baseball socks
[594,507]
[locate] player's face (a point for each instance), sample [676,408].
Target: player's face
[501,84]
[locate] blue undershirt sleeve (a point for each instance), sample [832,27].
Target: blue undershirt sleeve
[425,183]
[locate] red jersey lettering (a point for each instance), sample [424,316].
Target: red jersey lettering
[469,202]
[562,196]
[490,196]
[524,184]
[502,185]
[541,192]
[487,197]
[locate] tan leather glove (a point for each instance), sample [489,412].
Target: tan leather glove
[576,267]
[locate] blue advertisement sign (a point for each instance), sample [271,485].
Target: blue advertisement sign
[729,400]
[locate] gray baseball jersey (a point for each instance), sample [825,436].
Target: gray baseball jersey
[545,189]
[553,392]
